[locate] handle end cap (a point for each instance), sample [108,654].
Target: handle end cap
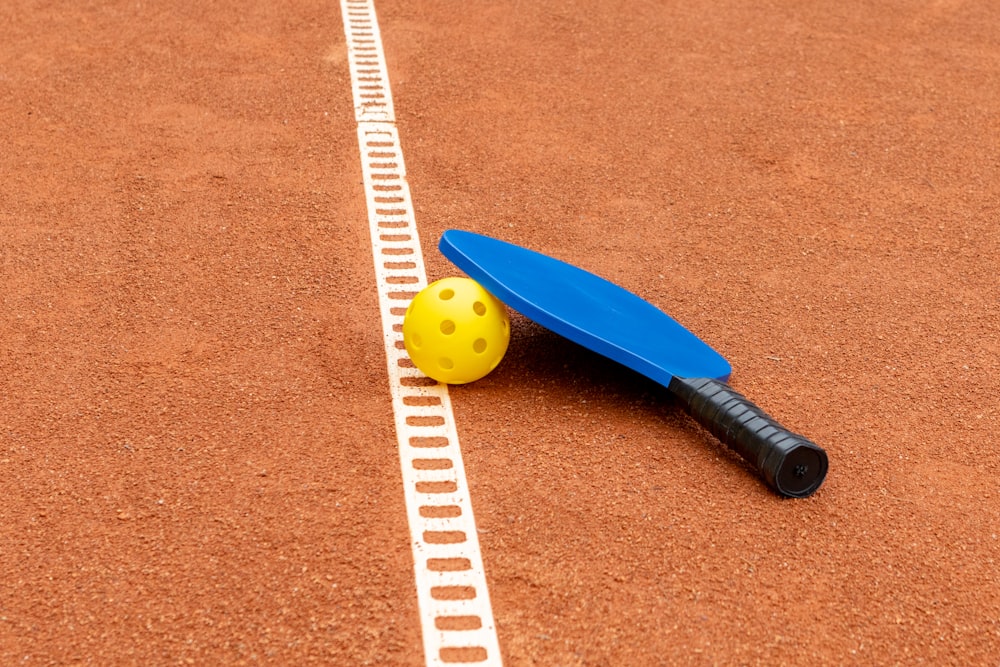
[797,471]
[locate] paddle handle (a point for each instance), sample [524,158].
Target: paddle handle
[789,463]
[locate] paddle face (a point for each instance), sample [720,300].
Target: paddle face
[585,308]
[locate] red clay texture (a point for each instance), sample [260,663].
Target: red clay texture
[197,456]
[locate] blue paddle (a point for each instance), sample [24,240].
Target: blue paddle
[614,322]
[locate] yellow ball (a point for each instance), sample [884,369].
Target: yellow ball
[455,331]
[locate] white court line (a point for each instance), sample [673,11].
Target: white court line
[455,612]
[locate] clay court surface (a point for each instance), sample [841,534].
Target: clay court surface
[198,461]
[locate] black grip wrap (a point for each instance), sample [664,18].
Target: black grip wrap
[790,464]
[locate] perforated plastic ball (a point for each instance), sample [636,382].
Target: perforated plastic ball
[455,331]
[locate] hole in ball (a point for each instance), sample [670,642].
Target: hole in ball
[416,341]
[446,294]
[447,327]
[479,345]
[446,363]
[479,307]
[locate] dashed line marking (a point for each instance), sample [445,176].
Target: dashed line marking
[455,612]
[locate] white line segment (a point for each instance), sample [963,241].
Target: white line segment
[455,612]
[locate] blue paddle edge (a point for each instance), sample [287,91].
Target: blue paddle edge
[585,308]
